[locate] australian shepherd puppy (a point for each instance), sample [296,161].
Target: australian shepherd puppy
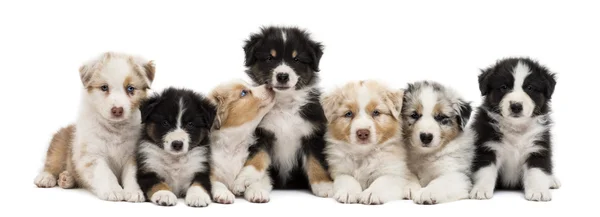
[173,156]
[440,146]
[97,152]
[292,133]
[240,108]
[364,151]
[513,130]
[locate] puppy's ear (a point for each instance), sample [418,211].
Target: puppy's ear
[463,110]
[484,81]
[331,102]
[250,46]
[550,80]
[394,100]
[217,99]
[88,69]
[206,107]
[316,52]
[149,69]
[148,105]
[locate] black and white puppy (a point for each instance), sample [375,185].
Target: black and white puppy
[292,133]
[173,154]
[513,130]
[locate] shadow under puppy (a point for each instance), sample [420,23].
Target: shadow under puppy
[440,146]
[173,156]
[240,108]
[365,151]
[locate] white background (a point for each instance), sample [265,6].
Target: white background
[199,44]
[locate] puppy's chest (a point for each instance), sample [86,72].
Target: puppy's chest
[228,161]
[365,169]
[178,171]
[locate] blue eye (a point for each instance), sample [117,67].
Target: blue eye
[348,114]
[130,89]
[244,92]
[104,88]
[376,113]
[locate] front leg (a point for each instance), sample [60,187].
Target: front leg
[99,178]
[384,189]
[258,192]
[199,193]
[412,186]
[133,193]
[537,178]
[254,170]
[485,174]
[320,180]
[346,189]
[448,187]
[157,191]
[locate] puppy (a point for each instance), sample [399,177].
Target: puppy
[513,130]
[440,146]
[292,133]
[173,156]
[97,152]
[240,108]
[364,151]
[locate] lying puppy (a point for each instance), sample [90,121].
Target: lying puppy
[97,152]
[440,147]
[173,156]
[513,130]
[364,150]
[240,108]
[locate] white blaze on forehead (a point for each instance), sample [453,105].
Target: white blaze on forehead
[362,118]
[178,134]
[518,95]
[283,35]
[428,99]
[520,72]
[180,114]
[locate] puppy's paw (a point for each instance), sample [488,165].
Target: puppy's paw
[164,198]
[322,189]
[65,180]
[197,197]
[370,197]
[538,194]
[134,196]
[256,195]
[249,175]
[410,190]
[429,196]
[112,195]
[555,183]
[45,180]
[223,196]
[481,192]
[344,196]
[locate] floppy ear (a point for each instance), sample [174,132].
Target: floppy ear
[550,81]
[250,46]
[148,105]
[217,99]
[149,69]
[464,110]
[394,101]
[330,102]
[88,69]
[316,52]
[484,77]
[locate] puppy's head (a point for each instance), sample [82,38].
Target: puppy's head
[433,115]
[239,104]
[178,120]
[363,113]
[517,88]
[116,83]
[285,58]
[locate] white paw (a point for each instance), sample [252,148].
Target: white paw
[112,195]
[481,192]
[370,197]
[410,190]
[432,195]
[223,196]
[248,176]
[45,180]
[65,180]
[538,195]
[555,183]
[256,195]
[197,197]
[322,189]
[164,198]
[134,196]
[343,196]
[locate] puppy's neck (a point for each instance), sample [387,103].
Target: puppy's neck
[521,125]
[292,98]
[233,137]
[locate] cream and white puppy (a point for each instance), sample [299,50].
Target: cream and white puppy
[364,150]
[440,147]
[97,152]
[240,108]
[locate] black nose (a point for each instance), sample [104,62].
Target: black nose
[177,145]
[283,77]
[516,107]
[426,138]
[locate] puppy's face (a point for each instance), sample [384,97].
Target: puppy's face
[284,58]
[433,115]
[239,104]
[363,113]
[517,89]
[116,83]
[178,120]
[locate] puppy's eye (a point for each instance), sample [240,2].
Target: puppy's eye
[415,115]
[445,121]
[190,124]
[104,88]
[440,117]
[529,87]
[348,114]
[269,58]
[296,60]
[243,93]
[376,113]
[504,87]
[165,123]
[130,89]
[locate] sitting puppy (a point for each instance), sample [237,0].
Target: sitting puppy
[440,147]
[240,108]
[513,130]
[173,155]
[364,150]
[97,152]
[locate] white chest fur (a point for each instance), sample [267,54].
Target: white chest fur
[177,171]
[229,150]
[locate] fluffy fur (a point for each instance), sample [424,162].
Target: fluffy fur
[513,130]
[174,156]
[240,108]
[291,134]
[440,147]
[97,152]
[366,157]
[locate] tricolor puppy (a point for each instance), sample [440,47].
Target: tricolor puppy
[365,153]
[97,152]
[513,130]
[173,156]
[291,134]
[240,108]
[440,146]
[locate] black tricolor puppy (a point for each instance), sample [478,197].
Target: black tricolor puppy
[513,130]
[173,155]
[291,135]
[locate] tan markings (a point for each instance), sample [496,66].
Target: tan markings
[294,54]
[316,172]
[371,106]
[59,151]
[150,70]
[158,187]
[126,82]
[437,109]
[232,109]
[340,130]
[273,53]
[386,128]
[260,161]
[449,133]
[90,164]
[197,184]
[419,108]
